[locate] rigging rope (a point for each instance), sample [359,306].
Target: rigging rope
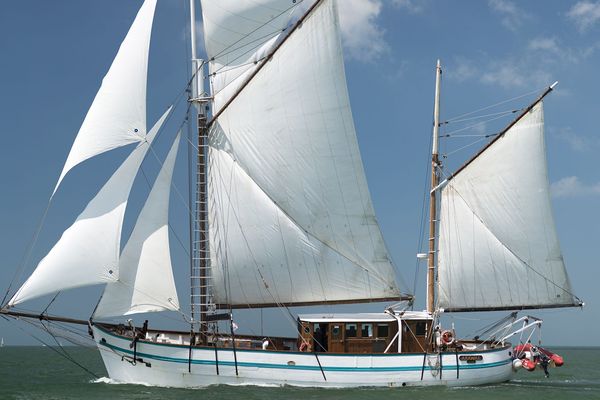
[259,42]
[481,123]
[423,213]
[228,49]
[496,104]
[482,116]
[63,353]
[28,251]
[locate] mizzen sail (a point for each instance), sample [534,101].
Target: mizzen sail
[291,219]
[498,247]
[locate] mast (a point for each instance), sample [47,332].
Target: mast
[432,194]
[200,256]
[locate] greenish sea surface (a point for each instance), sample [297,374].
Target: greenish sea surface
[39,373]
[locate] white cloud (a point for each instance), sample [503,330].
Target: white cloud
[515,74]
[554,51]
[590,50]
[504,74]
[571,186]
[480,128]
[575,141]
[362,36]
[545,44]
[508,73]
[412,6]
[585,14]
[462,69]
[512,17]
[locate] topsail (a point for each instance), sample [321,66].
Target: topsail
[237,35]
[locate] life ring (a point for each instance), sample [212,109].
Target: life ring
[303,346]
[447,337]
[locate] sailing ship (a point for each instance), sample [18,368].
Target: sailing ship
[281,216]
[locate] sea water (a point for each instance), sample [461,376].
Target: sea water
[40,373]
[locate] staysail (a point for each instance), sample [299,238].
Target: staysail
[498,247]
[238,34]
[145,281]
[117,116]
[291,219]
[79,258]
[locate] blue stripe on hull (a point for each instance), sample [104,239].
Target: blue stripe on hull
[303,367]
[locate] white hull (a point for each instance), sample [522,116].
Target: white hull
[167,365]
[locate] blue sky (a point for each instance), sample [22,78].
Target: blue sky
[54,54]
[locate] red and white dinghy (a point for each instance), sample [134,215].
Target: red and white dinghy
[530,356]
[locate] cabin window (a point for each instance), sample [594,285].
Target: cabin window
[383,330]
[421,328]
[351,330]
[366,330]
[335,331]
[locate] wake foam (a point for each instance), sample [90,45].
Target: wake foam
[110,381]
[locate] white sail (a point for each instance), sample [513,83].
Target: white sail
[498,247]
[145,281]
[88,251]
[238,33]
[117,116]
[291,216]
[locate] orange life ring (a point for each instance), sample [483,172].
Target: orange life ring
[447,337]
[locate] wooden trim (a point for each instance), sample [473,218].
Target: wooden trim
[107,331]
[264,62]
[501,133]
[313,303]
[476,309]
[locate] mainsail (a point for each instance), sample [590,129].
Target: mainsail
[498,247]
[145,281]
[117,116]
[88,251]
[291,219]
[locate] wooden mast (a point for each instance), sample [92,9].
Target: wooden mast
[432,195]
[200,257]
